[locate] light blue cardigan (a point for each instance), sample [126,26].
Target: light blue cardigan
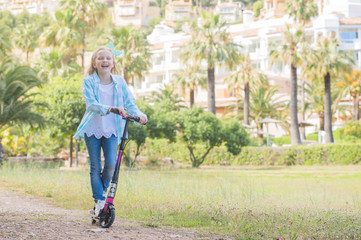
[123,98]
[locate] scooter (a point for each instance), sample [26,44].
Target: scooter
[107,215]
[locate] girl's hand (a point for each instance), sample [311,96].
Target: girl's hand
[143,120]
[120,110]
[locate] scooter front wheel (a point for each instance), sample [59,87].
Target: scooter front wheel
[108,218]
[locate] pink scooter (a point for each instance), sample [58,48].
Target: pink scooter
[107,215]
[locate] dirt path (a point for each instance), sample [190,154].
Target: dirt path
[29,217]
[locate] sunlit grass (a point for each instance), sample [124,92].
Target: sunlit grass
[247,203]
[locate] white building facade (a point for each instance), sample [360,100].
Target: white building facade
[255,36]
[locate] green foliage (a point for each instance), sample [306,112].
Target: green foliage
[66,105]
[134,61]
[353,129]
[329,154]
[7,19]
[16,99]
[235,136]
[198,126]
[282,140]
[257,6]
[5,42]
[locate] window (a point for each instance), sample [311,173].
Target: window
[158,60]
[348,36]
[160,78]
[175,56]
[227,10]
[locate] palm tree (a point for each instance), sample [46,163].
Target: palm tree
[329,63]
[63,33]
[87,14]
[301,11]
[190,77]
[288,53]
[211,42]
[26,37]
[351,83]
[265,103]
[5,42]
[315,100]
[244,78]
[16,103]
[135,59]
[168,97]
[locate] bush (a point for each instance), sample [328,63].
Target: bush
[323,154]
[352,129]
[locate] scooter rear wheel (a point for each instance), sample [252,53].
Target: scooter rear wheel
[108,218]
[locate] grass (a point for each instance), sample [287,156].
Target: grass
[246,203]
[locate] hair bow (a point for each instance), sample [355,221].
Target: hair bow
[115,52]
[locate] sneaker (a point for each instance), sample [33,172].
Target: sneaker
[98,206]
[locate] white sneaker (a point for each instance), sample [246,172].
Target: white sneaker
[98,206]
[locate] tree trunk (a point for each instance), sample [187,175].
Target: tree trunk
[211,91]
[295,133]
[83,53]
[355,106]
[2,152]
[303,129]
[71,152]
[191,97]
[77,153]
[246,104]
[322,121]
[328,112]
[125,75]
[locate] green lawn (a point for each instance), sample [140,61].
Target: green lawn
[248,203]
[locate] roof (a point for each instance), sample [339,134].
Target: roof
[350,21]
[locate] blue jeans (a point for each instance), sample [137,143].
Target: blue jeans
[100,178]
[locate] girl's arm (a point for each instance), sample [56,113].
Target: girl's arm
[91,102]
[129,101]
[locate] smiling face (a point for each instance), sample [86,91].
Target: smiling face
[103,61]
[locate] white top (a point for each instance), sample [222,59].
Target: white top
[103,126]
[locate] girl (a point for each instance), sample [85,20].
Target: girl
[102,91]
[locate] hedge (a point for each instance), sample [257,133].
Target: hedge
[320,154]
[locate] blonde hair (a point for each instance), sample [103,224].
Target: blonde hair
[92,69]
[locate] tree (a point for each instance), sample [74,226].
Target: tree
[211,42]
[87,15]
[301,11]
[5,42]
[201,131]
[191,77]
[135,59]
[352,84]
[329,62]
[63,33]
[167,97]
[199,127]
[26,37]
[265,103]
[245,77]
[257,6]
[16,96]
[234,136]
[66,107]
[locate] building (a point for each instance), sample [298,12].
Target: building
[256,37]
[127,12]
[32,6]
[229,11]
[178,10]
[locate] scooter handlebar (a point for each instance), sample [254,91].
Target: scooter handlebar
[114,110]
